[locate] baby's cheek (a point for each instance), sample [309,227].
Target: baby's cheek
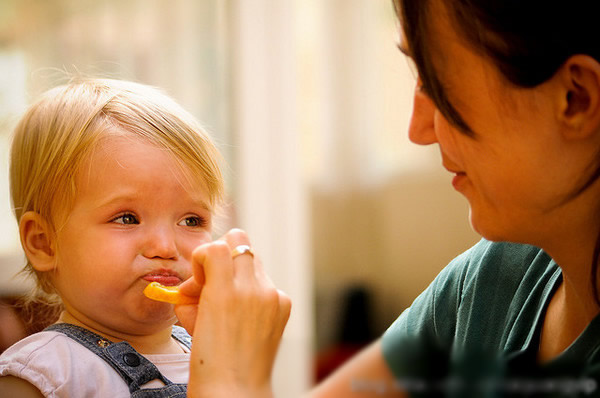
[187,274]
[185,269]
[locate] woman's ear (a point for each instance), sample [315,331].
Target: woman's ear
[37,242]
[579,104]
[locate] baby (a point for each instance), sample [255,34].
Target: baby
[113,186]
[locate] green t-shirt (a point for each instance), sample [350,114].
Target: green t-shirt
[475,331]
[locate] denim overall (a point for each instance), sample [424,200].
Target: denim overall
[134,368]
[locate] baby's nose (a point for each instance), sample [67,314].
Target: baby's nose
[160,243]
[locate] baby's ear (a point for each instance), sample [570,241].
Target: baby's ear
[36,238]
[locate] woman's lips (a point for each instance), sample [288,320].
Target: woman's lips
[165,278]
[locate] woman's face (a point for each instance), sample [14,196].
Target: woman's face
[514,170]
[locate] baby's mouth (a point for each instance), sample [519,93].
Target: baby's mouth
[164,277]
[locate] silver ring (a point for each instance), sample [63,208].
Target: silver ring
[241,249]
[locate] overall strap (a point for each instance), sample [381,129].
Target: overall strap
[134,368]
[182,336]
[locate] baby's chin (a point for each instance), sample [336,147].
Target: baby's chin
[158,312]
[149,317]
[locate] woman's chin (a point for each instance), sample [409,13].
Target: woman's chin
[485,227]
[498,229]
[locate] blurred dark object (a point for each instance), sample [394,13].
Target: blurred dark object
[19,318]
[13,327]
[355,332]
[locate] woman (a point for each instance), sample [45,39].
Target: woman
[510,92]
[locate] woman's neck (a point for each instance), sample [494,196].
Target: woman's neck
[573,305]
[569,235]
[573,252]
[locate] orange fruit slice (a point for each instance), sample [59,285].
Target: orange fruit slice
[167,294]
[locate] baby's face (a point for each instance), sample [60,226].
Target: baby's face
[135,219]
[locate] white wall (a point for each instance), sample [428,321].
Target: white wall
[270,196]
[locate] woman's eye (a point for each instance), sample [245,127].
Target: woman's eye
[420,86]
[419,82]
[193,221]
[126,219]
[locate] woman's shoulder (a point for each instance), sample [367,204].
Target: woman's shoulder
[499,261]
[475,300]
[487,270]
[57,365]
[486,251]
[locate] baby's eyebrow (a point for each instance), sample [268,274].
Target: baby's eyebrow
[127,198]
[205,206]
[200,201]
[112,200]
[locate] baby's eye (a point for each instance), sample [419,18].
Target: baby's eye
[193,221]
[126,219]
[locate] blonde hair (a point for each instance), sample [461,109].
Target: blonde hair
[59,132]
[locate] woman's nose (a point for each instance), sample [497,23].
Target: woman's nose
[421,130]
[160,243]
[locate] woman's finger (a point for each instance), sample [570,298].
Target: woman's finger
[191,287]
[212,262]
[285,305]
[243,257]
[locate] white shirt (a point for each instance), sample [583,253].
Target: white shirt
[61,367]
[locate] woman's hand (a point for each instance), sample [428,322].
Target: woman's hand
[237,324]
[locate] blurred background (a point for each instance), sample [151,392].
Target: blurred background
[309,101]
